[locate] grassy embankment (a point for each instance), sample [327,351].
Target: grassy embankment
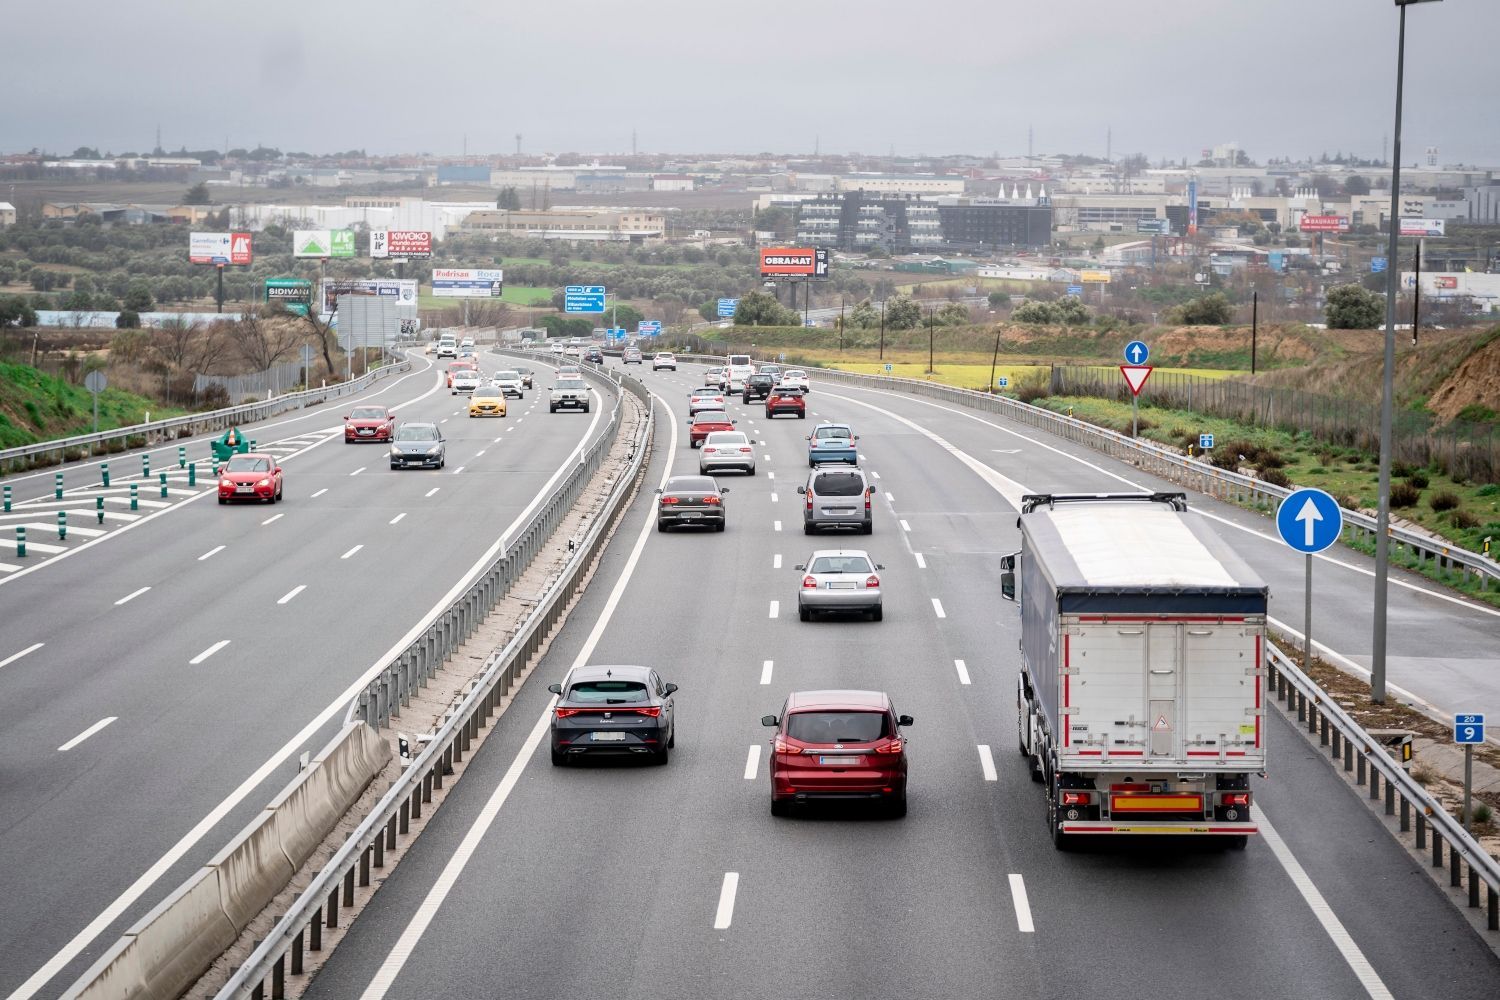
[37,407]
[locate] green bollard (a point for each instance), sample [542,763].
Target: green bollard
[62,525]
[192,473]
[135,496]
[145,466]
[104,471]
[21,541]
[99,508]
[57,486]
[181,457]
[252,444]
[7,499]
[163,485]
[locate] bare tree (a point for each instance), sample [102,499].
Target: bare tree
[264,340]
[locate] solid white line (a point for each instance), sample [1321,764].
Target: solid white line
[921,562]
[937,606]
[963,671]
[774,498]
[904,525]
[90,731]
[458,470]
[987,762]
[775,608]
[293,593]
[765,672]
[211,552]
[358,471]
[431,491]
[273,517]
[725,913]
[351,552]
[398,517]
[1353,957]
[752,763]
[16,656]
[319,493]
[1022,905]
[480,452]
[127,598]
[776,561]
[778,525]
[210,651]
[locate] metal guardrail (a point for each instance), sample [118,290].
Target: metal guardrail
[300,930]
[192,424]
[1367,758]
[1164,462]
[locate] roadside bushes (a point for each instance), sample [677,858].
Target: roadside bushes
[1444,500]
[1404,495]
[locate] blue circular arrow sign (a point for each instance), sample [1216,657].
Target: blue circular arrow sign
[1309,520]
[1136,352]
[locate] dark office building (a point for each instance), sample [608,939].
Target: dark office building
[856,221]
[983,224]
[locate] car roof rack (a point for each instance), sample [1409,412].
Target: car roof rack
[1031,501]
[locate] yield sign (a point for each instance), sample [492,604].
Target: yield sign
[1135,377]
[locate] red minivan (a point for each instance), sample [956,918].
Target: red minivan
[838,745]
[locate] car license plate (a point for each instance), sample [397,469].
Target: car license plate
[366,430]
[244,489]
[689,514]
[607,737]
[841,585]
[839,761]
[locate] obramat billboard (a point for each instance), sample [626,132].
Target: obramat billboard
[809,261]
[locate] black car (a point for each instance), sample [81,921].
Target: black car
[418,446]
[526,376]
[759,386]
[690,500]
[594,356]
[613,711]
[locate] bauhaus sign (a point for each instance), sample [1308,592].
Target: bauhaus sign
[796,261]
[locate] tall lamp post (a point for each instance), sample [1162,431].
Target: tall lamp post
[1383,518]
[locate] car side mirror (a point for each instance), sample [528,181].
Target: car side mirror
[800,567]
[733,422]
[346,416]
[880,565]
[905,720]
[769,720]
[802,490]
[669,689]
[723,490]
[856,437]
[656,491]
[872,489]
[689,419]
[1008,585]
[555,688]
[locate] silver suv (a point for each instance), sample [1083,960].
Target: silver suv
[837,496]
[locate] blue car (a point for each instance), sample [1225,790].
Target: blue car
[832,443]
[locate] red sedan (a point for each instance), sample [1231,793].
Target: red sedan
[252,476]
[460,366]
[838,745]
[705,422]
[786,399]
[369,423]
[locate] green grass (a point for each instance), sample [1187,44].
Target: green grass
[518,295]
[38,407]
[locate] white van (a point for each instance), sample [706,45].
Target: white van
[737,372]
[447,346]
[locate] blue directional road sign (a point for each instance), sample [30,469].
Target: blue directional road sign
[583,299]
[1309,520]
[1075,290]
[1205,442]
[1377,264]
[1468,729]
[1136,352]
[728,306]
[1002,382]
[648,327]
[617,333]
[889,369]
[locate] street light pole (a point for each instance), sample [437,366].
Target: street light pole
[929,340]
[882,329]
[1383,514]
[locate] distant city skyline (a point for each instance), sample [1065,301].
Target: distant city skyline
[1282,78]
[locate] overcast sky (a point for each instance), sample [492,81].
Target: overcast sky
[1169,77]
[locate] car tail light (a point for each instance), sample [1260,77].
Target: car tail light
[782,746]
[668,501]
[744,451]
[654,711]
[708,450]
[712,501]
[563,713]
[894,746]
[718,399]
[809,501]
[867,499]
[1076,798]
[1236,799]
[809,583]
[872,581]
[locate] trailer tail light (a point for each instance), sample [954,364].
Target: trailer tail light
[1076,798]
[1235,799]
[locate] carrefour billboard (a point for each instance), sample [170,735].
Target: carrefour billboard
[219,248]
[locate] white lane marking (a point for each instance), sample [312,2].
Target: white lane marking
[987,763]
[725,913]
[443,421]
[351,552]
[774,498]
[1022,905]
[319,493]
[963,671]
[752,763]
[458,470]
[770,475]
[1353,957]
[775,608]
[921,562]
[292,593]
[496,441]
[211,552]
[937,606]
[874,474]
[778,525]
[128,598]
[397,518]
[509,429]
[904,525]
[90,731]
[358,470]
[407,943]
[776,561]
[890,498]
[479,453]
[431,492]
[765,672]
[273,517]
[210,651]
[12,658]
[766,457]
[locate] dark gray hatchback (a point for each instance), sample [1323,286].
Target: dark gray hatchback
[613,711]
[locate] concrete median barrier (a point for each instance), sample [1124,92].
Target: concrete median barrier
[310,806]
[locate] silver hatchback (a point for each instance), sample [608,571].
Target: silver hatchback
[840,580]
[726,450]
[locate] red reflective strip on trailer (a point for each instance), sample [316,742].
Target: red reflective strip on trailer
[1260,681]
[1067,687]
[1215,753]
[1089,753]
[1211,619]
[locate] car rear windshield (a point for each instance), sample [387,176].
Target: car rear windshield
[609,693]
[836,727]
[428,433]
[831,432]
[485,391]
[727,437]
[692,484]
[367,413]
[708,391]
[840,564]
[711,417]
[244,463]
[835,485]
[788,390]
[570,383]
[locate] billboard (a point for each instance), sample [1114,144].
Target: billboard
[409,243]
[292,294]
[1095,277]
[219,248]
[1156,227]
[467,282]
[403,290]
[784,262]
[323,243]
[1324,224]
[1422,227]
[1445,281]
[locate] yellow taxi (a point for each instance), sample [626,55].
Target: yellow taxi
[487,401]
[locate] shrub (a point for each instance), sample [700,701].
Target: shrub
[1444,500]
[1225,458]
[1349,502]
[1404,495]
[1483,813]
[1400,470]
[1418,479]
[1030,392]
[1275,477]
[1317,470]
[1353,457]
[1326,458]
[1265,458]
[1463,519]
[1489,489]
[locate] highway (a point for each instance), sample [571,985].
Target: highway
[158,683]
[629,881]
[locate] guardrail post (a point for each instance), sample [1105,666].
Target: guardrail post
[146,466]
[278,979]
[163,485]
[1492,900]
[104,472]
[181,457]
[1323,730]
[404,817]
[1473,887]
[1455,869]
[57,486]
[192,473]
[333,907]
[315,931]
[7,499]
[378,847]
[1406,815]
[1437,848]
[416,803]
[99,508]
[364,867]
[297,954]
[1390,798]
[62,525]
[1359,770]
[20,541]
[390,834]
[1374,783]
[1421,830]
[349,887]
